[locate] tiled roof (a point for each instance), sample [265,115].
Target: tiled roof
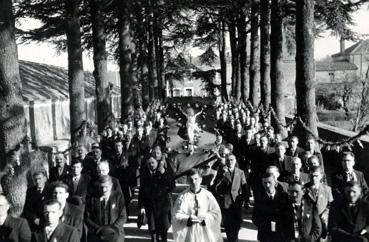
[335,66]
[361,47]
[43,82]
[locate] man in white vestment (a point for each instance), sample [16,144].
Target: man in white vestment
[196,216]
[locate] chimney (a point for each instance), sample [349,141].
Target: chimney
[342,45]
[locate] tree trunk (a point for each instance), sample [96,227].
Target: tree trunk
[305,70]
[125,58]
[276,63]
[161,67]
[223,60]
[235,61]
[245,87]
[254,54]
[12,118]
[141,61]
[265,84]
[75,71]
[104,114]
[151,58]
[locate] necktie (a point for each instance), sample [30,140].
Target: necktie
[103,202]
[196,206]
[49,232]
[75,184]
[350,177]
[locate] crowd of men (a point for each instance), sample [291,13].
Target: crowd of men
[89,199]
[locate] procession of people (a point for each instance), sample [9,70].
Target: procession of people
[282,184]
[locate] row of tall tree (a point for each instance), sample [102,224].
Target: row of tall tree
[146,37]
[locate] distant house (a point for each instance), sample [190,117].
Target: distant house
[46,102]
[347,65]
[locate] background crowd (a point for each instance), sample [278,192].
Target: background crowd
[88,198]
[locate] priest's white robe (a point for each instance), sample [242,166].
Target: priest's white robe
[206,206]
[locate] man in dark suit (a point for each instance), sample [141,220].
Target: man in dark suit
[141,144]
[294,150]
[301,222]
[311,150]
[103,169]
[61,171]
[236,139]
[247,151]
[12,229]
[349,218]
[91,161]
[231,190]
[72,214]
[35,196]
[106,208]
[281,160]
[259,164]
[77,182]
[266,213]
[54,229]
[347,174]
[296,174]
[154,200]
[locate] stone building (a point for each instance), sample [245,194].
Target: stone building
[350,64]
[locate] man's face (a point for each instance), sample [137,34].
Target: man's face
[239,127]
[52,214]
[281,150]
[353,193]
[295,192]
[152,163]
[270,132]
[106,188]
[157,154]
[316,177]
[311,144]
[119,147]
[269,184]
[60,161]
[60,194]
[125,128]
[348,163]
[296,164]
[103,169]
[4,206]
[249,134]
[40,180]
[219,139]
[231,162]
[96,152]
[195,182]
[109,132]
[314,162]
[140,131]
[294,142]
[77,169]
[81,152]
[264,142]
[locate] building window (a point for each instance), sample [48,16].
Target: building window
[331,76]
[188,92]
[176,92]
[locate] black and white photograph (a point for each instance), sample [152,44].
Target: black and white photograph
[184,120]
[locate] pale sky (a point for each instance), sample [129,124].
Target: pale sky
[45,53]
